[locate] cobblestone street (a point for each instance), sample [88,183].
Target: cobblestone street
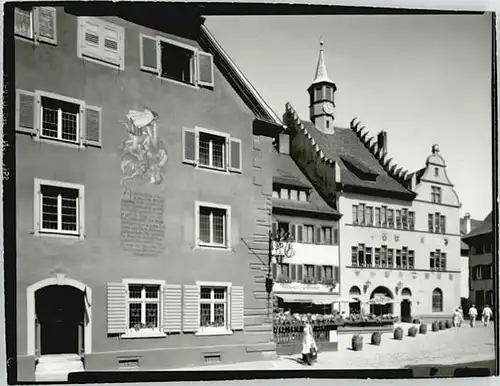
[446,347]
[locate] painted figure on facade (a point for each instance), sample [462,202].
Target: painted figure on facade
[143,155]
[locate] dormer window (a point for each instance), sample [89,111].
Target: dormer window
[291,193]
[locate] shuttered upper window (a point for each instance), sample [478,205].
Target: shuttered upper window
[176,61]
[101,41]
[57,118]
[38,24]
[211,149]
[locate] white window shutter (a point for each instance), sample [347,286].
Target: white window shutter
[26,112]
[24,23]
[149,53]
[191,308]
[189,145]
[235,155]
[91,126]
[237,308]
[116,308]
[112,44]
[172,309]
[90,38]
[47,24]
[205,69]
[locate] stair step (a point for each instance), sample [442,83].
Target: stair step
[56,368]
[265,327]
[59,358]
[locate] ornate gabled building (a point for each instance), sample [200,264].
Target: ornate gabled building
[399,231]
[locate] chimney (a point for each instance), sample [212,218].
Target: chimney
[284,143]
[467,223]
[382,141]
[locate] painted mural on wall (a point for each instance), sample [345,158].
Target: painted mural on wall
[144,155]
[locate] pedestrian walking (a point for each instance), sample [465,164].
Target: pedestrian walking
[309,348]
[472,315]
[487,313]
[461,318]
[456,318]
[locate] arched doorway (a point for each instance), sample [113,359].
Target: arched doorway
[355,304]
[406,305]
[381,301]
[60,317]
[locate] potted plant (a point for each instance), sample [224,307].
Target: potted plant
[376,338]
[448,324]
[435,326]
[398,333]
[357,342]
[412,331]
[416,321]
[442,325]
[423,329]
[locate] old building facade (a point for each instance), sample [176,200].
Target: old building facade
[399,231]
[129,254]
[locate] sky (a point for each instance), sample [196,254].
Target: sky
[423,79]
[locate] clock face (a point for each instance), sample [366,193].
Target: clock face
[328,108]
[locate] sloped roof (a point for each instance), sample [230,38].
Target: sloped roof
[345,143]
[485,227]
[287,172]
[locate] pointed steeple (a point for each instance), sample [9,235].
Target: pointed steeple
[321,73]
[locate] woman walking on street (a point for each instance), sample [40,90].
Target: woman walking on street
[309,347]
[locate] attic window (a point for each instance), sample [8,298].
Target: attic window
[359,168]
[291,193]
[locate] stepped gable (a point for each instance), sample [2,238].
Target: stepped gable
[353,149]
[286,172]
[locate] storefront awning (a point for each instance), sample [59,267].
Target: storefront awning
[314,298]
[380,300]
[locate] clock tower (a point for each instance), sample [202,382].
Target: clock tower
[321,97]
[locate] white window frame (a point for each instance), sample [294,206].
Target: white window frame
[225,150]
[226,330]
[35,37]
[120,64]
[39,118]
[144,333]
[226,224]
[38,207]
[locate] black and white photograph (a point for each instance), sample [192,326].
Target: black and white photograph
[223,188]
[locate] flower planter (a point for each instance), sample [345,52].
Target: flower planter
[423,329]
[435,326]
[398,333]
[416,321]
[357,343]
[442,325]
[412,331]
[448,324]
[376,338]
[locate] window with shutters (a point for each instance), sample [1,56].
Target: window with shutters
[101,41]
[176,61]
[59,208]
[143,308]
[213,309]
[214,150]
[57,119]
[38,24]
[213,225]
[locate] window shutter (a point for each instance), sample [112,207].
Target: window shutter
[90,38]
[274,228]
[47,24]
[92,126]
[318,272]
[205,69]
[318,235]
[191,308]
[172,311]
[274,270]
[336,273]
[237,308]
[299,233]
[25,112]
[116,308]
[293,272]
[300,272]
[112,46]
[235,154]
[293,231]
[188,145]
[149,53]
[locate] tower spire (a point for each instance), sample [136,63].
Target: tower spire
[321,73]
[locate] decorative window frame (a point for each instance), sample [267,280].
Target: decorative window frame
[131,333]
[228,223]
[37,209]
[211,331]
[36,39]
[120,64]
